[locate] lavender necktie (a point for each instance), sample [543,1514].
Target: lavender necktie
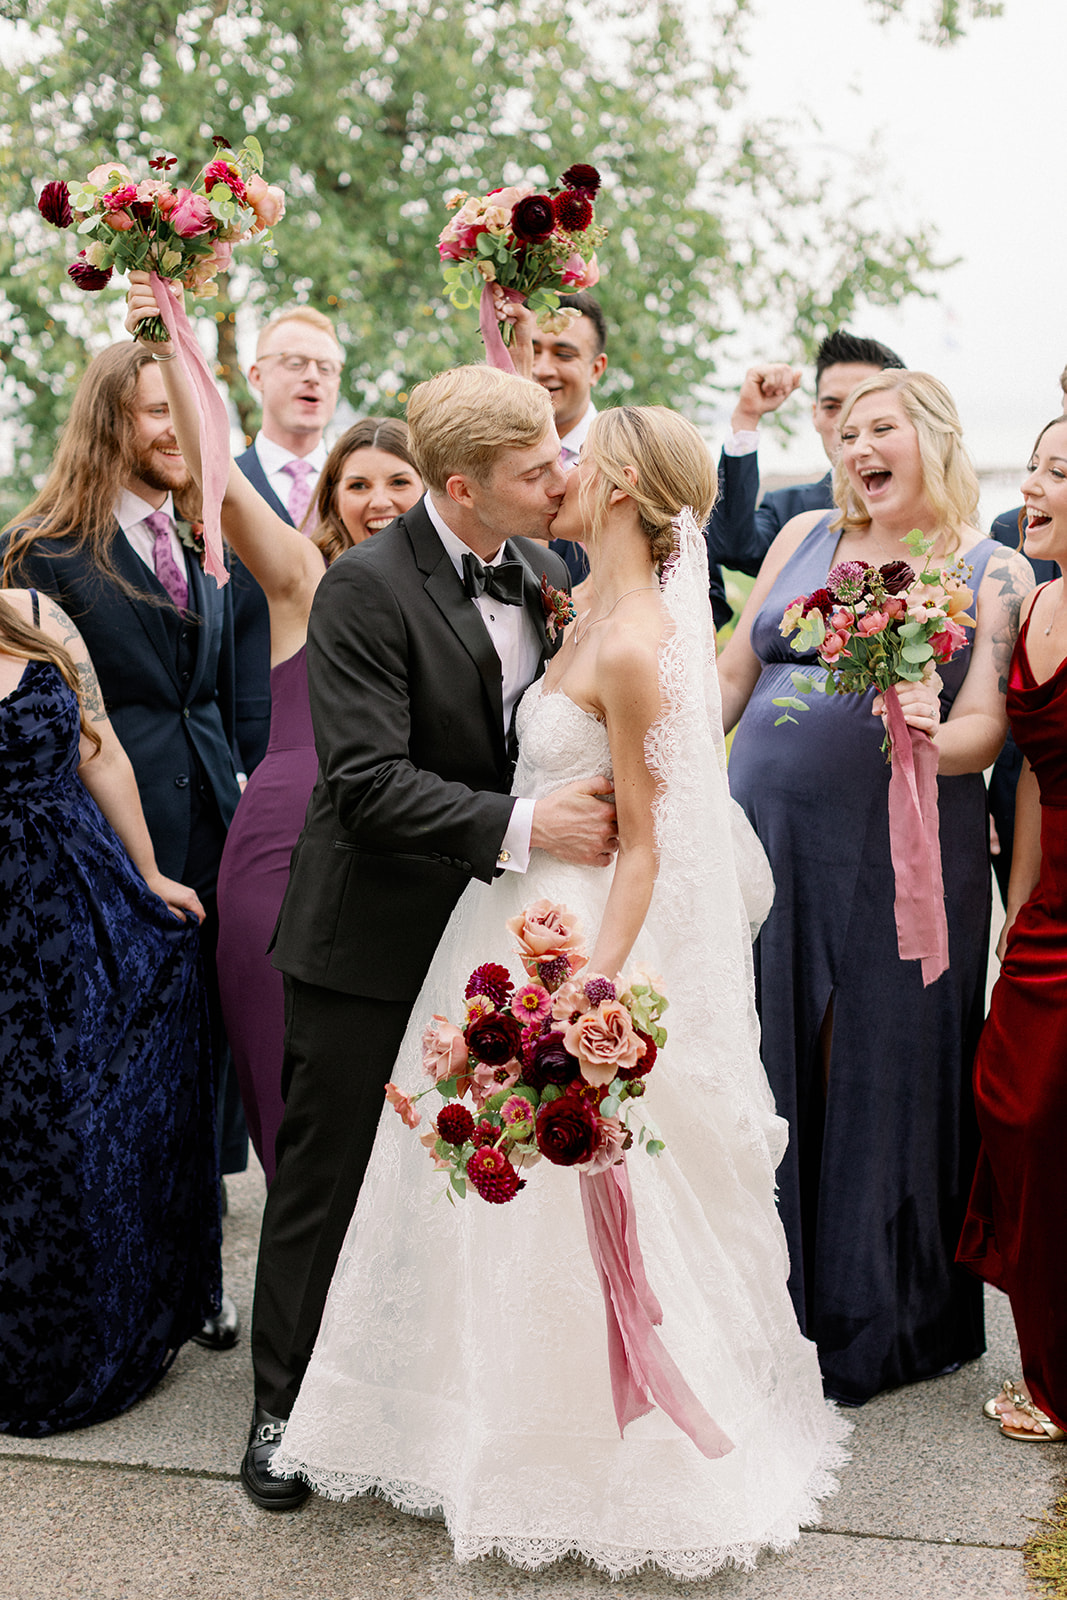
[300,494]
[167,569]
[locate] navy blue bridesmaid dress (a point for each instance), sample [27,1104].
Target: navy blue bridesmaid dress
[875,1181]
[109,1227]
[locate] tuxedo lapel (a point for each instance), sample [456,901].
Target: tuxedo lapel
[535,606]
[129,565]
[205,600]
[445,588]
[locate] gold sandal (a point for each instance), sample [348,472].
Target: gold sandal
[1047,1432]
[1008,1392]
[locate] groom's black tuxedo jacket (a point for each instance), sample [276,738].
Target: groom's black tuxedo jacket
[167,681]
[414,766]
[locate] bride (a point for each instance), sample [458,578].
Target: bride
[462,1367]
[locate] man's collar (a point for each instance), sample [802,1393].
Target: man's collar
[273,456]
[574,440]
[455,548]
[131,509]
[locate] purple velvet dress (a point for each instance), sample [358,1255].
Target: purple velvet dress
[252,880]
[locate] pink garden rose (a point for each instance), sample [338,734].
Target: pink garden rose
[444,1050]
[570,999]
[579,274]
[840,621]
[612,1140]
[948,641]
[832,646]
[104,176]
[191,215]
[873,622]
[603,1041]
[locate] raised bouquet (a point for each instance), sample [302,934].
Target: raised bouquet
[873,628]
[523,243]
[545,1068]
[183,234]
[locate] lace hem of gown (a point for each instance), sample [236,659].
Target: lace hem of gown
[531,1553]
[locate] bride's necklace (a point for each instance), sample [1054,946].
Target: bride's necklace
[1055,614]
[580,632]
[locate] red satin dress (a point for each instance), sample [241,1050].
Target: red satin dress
[1014,1229]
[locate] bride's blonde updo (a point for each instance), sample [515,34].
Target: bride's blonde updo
[658,459]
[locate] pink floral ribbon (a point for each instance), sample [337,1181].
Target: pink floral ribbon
[496,351]
[642,1373]
[915,844]
[214,423]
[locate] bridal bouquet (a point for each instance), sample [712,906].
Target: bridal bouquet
[877,626]
[547,1066]
[526,244]
[185,235]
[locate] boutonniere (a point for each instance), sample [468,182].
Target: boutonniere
[191,535]
[559,609]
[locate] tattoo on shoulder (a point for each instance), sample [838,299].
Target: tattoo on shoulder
[64,629]
[1013,579]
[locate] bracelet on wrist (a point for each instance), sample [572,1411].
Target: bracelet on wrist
[169,357]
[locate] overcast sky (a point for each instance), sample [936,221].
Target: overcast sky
[972,139]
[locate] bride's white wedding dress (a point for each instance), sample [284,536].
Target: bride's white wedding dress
[461,1368]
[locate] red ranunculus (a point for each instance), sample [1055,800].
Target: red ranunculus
[549,1061]
[896,577]
[581,176]
[533,218]
[494,1039]
[53,203]
[87,276]
[567,1131]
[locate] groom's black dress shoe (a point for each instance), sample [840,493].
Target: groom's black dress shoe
[272,1494]
[220,1331]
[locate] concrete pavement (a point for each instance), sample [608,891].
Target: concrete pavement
[935,1504]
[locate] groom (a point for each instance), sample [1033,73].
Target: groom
[420,643]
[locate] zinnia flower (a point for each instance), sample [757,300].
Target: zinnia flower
[531,1003]
[53,203]
[225,172]
[533,218]
[86,276]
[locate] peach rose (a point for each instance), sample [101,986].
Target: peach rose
[266,200]
[444,1050]
[603,1041]
[545,930]
[873,622]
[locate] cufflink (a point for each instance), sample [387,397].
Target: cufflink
[503,858]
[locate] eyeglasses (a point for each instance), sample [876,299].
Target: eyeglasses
[295,363]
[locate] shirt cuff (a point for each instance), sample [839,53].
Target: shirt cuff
[741,443]
[514,855]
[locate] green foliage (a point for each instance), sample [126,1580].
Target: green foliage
[369,114]
[942,20]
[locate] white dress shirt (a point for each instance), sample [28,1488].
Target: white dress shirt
[273,458]
[741,443]
[514,638]
[572,441]
[130,513]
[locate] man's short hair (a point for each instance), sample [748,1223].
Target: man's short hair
[1063,380]
[462,419]
[308,314]
[842,348]
[584,302]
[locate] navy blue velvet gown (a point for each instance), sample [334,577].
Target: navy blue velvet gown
[109,1229]
[874,1184]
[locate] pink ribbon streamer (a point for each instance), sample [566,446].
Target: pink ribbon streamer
[214,423]
[496,351]
[915,844]
[642,1373]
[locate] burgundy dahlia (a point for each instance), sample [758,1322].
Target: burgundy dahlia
[87,276]
[644,1063]
[494,1039]
[549,1061]
[822,600]
[896,577]
[583,177]
[574,210]
[455,1124]
[485,1133]
[491,980]
[533,218]
[53,203]
[597,990]
[566,1130]
[492,1174]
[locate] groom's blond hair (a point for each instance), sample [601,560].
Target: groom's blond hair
[462,419]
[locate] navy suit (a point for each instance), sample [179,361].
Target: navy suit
[251,624]
[739,533]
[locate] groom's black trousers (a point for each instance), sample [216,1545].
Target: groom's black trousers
[339,1055]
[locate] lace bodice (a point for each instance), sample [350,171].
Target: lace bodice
[558,742]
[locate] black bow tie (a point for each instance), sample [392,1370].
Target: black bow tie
[503,583]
